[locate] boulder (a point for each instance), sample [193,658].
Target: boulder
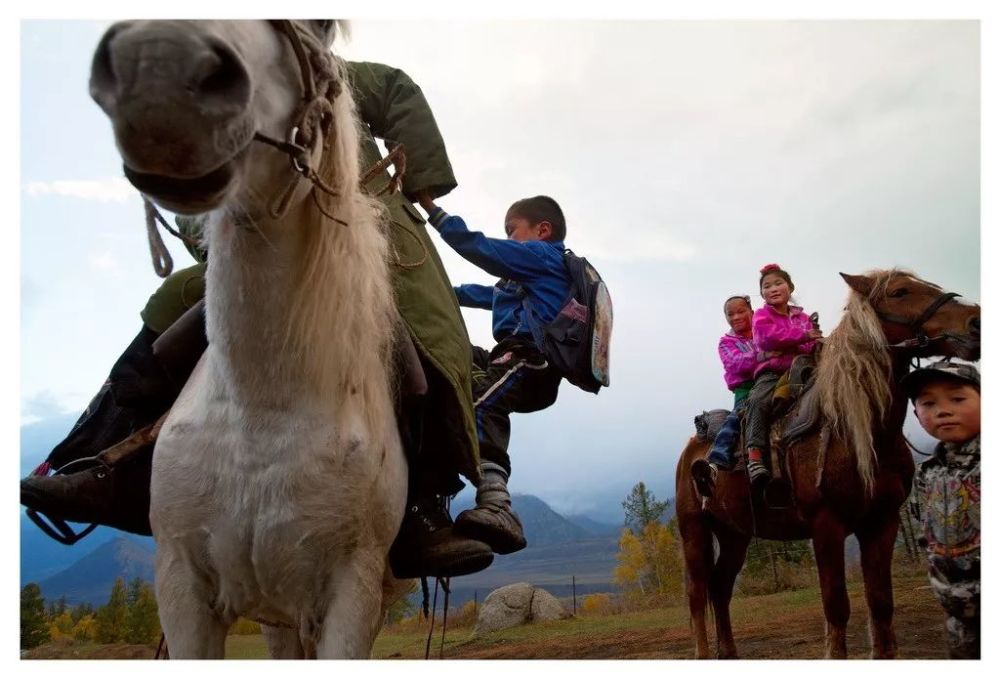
[514,605]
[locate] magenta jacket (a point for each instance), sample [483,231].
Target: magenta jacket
[739,358]
[773,331]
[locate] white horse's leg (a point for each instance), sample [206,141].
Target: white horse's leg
[282,643]
[192,628]
[354,616]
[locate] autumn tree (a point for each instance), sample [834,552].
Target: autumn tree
[111,618]
[34,627]
[142,622]
[649,560]
[641,508]
[61,626]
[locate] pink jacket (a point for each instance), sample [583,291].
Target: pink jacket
[739,358]
[776,332]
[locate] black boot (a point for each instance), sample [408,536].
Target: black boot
[428,546]
[90,486]
[493,521]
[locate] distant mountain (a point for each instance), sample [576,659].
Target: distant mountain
[594,527]
[543,526]
[42,557]
[91,578]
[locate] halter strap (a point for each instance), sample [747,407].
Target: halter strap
[915,326]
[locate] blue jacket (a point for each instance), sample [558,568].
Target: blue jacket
[534,270]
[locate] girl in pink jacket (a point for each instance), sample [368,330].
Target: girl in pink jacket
[739,362]
[780,331]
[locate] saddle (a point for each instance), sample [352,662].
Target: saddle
[796,414]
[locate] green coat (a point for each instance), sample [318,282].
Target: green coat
[394,109]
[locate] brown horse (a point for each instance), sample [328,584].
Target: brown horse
[849,476]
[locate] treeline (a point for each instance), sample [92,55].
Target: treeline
[129,616]
[650,562]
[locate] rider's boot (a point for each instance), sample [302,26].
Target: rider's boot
[704,475]
[427,544]
[493,521]
[92,484]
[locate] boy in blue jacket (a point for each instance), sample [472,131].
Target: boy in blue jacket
[514,376]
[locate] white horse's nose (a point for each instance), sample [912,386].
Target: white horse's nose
[163,63]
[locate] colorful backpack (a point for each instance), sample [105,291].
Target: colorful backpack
[577,341]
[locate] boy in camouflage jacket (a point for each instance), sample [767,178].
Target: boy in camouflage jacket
[947,488]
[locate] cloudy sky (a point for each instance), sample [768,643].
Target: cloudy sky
[685,154]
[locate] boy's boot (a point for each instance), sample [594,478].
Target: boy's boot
[427,544]
[492,521]
[704,475]
[102,488]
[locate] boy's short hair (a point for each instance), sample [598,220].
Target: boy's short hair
[541,209]
[948,371]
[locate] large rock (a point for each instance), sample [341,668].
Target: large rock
[515,605]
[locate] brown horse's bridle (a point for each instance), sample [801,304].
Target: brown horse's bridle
[916,326]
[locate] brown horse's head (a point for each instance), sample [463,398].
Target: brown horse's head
[186,99]
[920,315]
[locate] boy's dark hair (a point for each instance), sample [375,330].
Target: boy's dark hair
[541,209]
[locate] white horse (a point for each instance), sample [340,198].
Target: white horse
[278,479]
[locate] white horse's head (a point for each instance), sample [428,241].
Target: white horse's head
[187,100]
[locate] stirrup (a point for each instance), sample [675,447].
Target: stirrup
[58,529]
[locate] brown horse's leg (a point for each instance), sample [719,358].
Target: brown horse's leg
[876,543]
[732,554]
[828,536]
[697,542]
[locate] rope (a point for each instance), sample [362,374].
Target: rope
[163,264]
[430,632]
[444,621]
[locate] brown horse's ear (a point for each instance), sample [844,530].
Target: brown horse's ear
[859,283]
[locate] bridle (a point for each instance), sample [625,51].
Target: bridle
[312,121]
[920,338]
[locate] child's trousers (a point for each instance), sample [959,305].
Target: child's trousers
[514,377]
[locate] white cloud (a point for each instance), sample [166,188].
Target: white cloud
[114,190]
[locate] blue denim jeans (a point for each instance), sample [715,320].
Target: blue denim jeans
[725,442]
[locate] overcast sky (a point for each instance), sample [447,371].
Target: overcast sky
[685,155]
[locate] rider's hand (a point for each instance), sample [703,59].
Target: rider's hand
[425,201]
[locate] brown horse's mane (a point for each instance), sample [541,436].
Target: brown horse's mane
[853,374]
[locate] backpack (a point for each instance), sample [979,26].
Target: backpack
[577,341]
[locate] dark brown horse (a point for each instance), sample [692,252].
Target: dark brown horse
[849,476]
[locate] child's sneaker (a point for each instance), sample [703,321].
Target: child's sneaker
[759,475]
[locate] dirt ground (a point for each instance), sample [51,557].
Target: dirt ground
[798,634]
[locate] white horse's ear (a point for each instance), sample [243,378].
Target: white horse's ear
[326,30]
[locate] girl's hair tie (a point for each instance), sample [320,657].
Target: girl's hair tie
[768,268]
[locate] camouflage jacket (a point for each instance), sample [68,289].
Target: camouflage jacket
[947,487]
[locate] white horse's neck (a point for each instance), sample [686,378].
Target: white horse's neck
[251,282]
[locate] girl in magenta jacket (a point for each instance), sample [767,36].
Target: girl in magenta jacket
[780,331]
[739,362]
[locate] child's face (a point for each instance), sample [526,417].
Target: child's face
[521,229]
[775,290]
[949,411]
[738,315]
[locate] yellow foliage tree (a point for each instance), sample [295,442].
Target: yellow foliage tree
[61,627]
[85,629]
[598,603]
[632,562]
[649,562]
